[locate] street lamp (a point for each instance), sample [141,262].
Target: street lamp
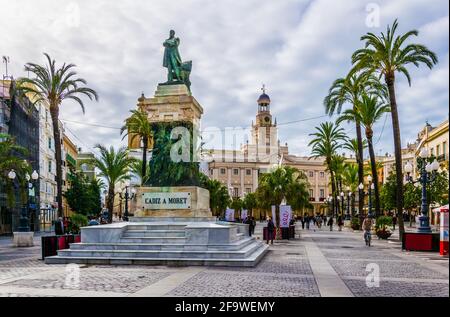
[343,202]
[371,187]
[127,195]
[23,222]
[349,197]
[331,201]
[427,176]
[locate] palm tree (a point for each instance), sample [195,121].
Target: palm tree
[250,202]
[137,170]
[10,160]
[386,55]
[353,146]
[368,112]
[219,198]
[54,85]
[349,90]
[351,180]
[282,183]
[325,144]
[114,167]
[338,168]
[138,126]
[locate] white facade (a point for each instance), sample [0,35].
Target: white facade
[47,161]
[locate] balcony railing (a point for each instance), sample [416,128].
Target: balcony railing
[442,157]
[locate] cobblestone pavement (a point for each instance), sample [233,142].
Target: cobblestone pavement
[286,270]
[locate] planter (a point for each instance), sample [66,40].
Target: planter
[384,235]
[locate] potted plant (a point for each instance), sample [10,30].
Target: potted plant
[382,227]
[356,225]
[76,222]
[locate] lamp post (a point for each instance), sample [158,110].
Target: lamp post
[23,221]
[127,195]
[349,197]
[427,176]
[343,203]
[371,187]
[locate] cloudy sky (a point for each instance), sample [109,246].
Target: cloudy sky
[296,47]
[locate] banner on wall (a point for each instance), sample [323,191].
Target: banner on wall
[285,216]
[244,214]
[229,215]
[273,214]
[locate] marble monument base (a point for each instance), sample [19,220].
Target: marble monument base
[23,239]
[178,237]
[170,243]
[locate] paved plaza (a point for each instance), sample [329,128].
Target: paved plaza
[319,263]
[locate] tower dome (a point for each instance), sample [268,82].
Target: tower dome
[264,99]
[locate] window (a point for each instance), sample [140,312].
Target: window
[223,171]
[311,193]
[432,151]
[248,190]
[49,142]
[49,166]
[311,174]
[249,172]
[236,192]
[211,172]
[322,193]
[235,171]
[322,174]
[444,149]
[438,150]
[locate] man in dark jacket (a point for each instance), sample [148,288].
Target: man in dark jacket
[270,230]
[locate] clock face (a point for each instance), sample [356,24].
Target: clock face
[267,119]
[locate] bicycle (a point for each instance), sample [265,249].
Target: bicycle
[368,238]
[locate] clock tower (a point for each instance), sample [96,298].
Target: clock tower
[264,130]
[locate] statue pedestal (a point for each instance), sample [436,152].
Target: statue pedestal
[171,103]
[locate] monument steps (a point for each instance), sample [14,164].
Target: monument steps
[157,246]
[250,261]
[155,233]
[141,239]
[171,254]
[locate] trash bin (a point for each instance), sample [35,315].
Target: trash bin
[49,246]
[292,232]
[266,233]
[443,246]
[285,234]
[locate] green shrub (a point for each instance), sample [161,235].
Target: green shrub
[76,222]
[383,222]
[356,224]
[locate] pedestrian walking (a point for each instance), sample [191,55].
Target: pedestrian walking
[307,222]
[340,223]
[302,220]
[270,230]
[394,221]
[330,223]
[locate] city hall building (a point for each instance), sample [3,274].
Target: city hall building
[241,169]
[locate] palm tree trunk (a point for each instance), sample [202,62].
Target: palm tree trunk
[373,165]
[333,193]
[360,161]
[144,159]
[54,112]
[277,223]
[110,202]
[390,81]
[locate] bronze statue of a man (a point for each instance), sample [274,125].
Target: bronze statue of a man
[172,59]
